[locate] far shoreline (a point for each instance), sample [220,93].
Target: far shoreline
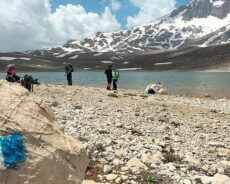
[221,70]
[141,91]
[188,91]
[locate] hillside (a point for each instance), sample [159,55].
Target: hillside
[189,58]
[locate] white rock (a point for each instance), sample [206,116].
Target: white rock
[135,165]
[206,179]
[111,177]
[107,169]
[158,88]
[191,160]
[116,162]
[220,179]
[216,144]
[152,159]
[187,181]
[118,180]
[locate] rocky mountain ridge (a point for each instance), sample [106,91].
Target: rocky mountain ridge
[200,22]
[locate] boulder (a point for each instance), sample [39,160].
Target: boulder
[45,154]
[220,179]
[135,165]
[155,89]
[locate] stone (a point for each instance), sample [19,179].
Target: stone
[55,104]
[207,95]
[191,160]
[118,180]
[152,159]
[216,144]
[116,162]
[111,177]
[90,182]
[156,88]
[78,106]
[223,152]
[114,95]
[52,156]
[224,164]
[205,179]
[187,181]
[107,169]
[124,169]
[162,91]
[135,165]
[220,179]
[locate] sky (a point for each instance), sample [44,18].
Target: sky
[35,24]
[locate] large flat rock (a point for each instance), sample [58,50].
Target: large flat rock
[50,156]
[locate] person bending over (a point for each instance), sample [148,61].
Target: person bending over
[11,73]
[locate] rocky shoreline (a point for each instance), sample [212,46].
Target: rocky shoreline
[133,138]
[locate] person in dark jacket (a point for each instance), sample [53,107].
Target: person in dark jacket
[68,73]
[108,73]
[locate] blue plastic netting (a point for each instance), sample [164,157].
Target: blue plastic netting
[12,148]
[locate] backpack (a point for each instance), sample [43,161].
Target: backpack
[115,74]
[71,67]
[27,82]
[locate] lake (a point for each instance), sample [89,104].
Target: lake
[192,83]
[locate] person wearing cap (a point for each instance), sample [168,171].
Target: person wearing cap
[108,73]
[11,73]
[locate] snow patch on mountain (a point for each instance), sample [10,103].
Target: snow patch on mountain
[74,57]
[98,54]
[129,69]
[166,63]
[107,62]
[7,58]
[14,58]
[217,3]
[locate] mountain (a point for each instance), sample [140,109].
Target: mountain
[168,43]
[183,59]
[200,22]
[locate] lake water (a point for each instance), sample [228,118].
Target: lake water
[191,83]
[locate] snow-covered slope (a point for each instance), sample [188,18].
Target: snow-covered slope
[200,22]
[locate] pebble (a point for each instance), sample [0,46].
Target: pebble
[125,132]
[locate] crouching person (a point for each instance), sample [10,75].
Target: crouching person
[11,73]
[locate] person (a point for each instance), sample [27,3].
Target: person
[115,75]
[108,73]
[68,73]
[11,73]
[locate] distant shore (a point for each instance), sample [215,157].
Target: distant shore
[199,84]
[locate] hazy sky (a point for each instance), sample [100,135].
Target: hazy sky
[34,24]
